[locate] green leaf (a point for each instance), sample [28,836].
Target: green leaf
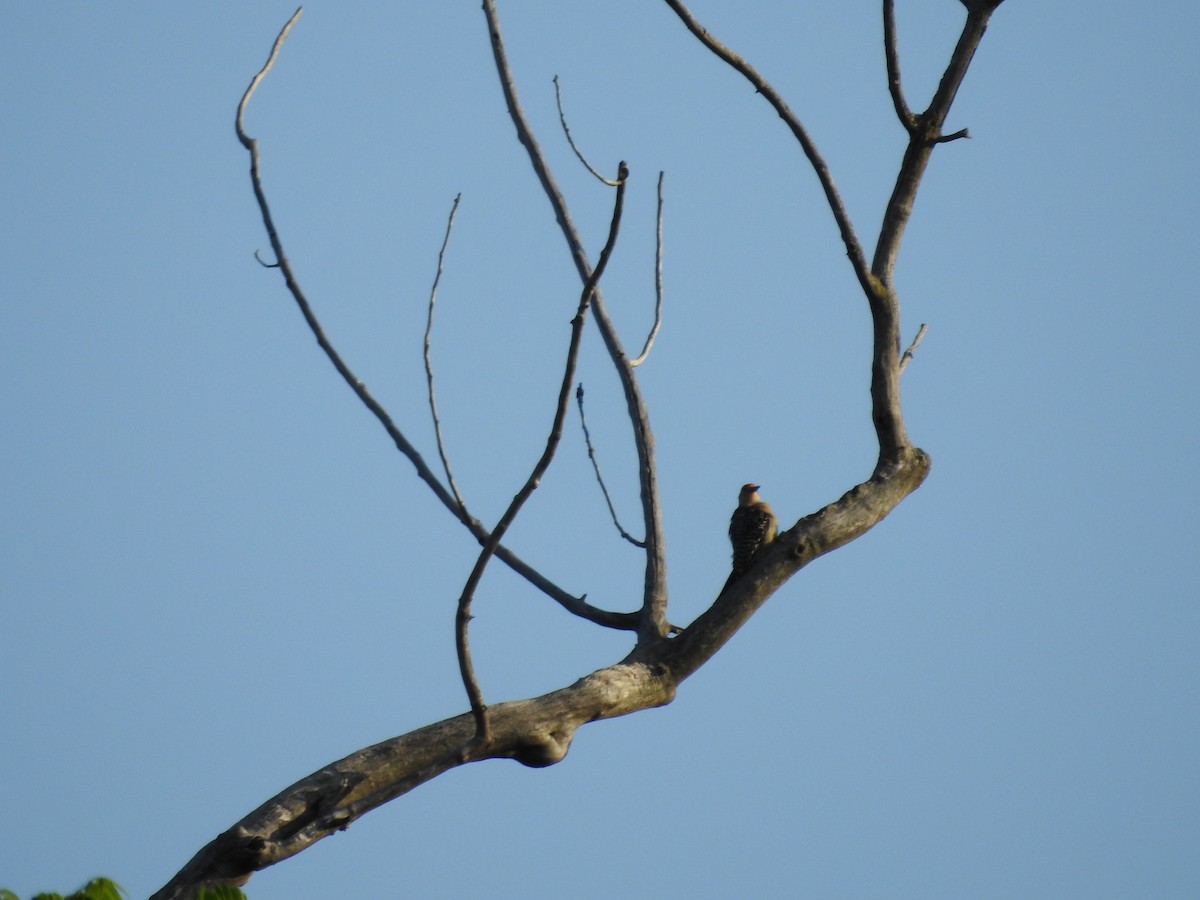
[220,892]
[99,889]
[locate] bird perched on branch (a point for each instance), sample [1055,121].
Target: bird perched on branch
[751,528]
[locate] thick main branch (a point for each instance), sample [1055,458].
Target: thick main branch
[538,731]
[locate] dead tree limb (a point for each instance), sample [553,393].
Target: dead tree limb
[433,410]
[591,452]
[652,621]
[483,734]
[575,605]
[538,731]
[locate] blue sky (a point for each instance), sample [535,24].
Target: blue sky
[218,575]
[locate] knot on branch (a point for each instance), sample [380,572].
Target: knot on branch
[541,750]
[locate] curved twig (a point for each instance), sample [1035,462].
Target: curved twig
[886,413]
[466,668]
[562,117]
[587,439]
[854,249]
[924,138]
[437,423]
[658,281]
[575,605]
[947,138]
[653,615]
[891,53]
[877,282]
[262,262]
[248,142]
[907,355]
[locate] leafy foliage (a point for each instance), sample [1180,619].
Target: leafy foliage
[221,892]
[107,889]
[96,889]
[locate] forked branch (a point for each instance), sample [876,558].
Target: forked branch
[652,619]
[854,249]
[924,137]
[539,731]
[576,605]
[483,735]
[924,133]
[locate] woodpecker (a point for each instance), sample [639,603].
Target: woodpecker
[751,528]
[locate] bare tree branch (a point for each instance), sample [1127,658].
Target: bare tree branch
[575,605]
[652,622]
[947,138]
[587,439]
[877,282]
[907,356]
[658,281]
[483,735]
[562,117]
[854,249]
[535,732]
[892,54]
[539,731]
[433,411]
[923,139]
[885,309]
[886,413]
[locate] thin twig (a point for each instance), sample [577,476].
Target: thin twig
[437,424]
[575,605]
[653,615]
[462,619]
[562,117]
[248,142]
[906,357]
[947,138]
[834,199]
[587,439]
[890,51]
[658,281]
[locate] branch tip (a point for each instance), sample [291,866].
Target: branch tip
[892,56]
[587,439]
[266,265]
[947,138]
[462,645]
[433,410]
[658,282]
[907,356]
[258,77]
[562,118]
